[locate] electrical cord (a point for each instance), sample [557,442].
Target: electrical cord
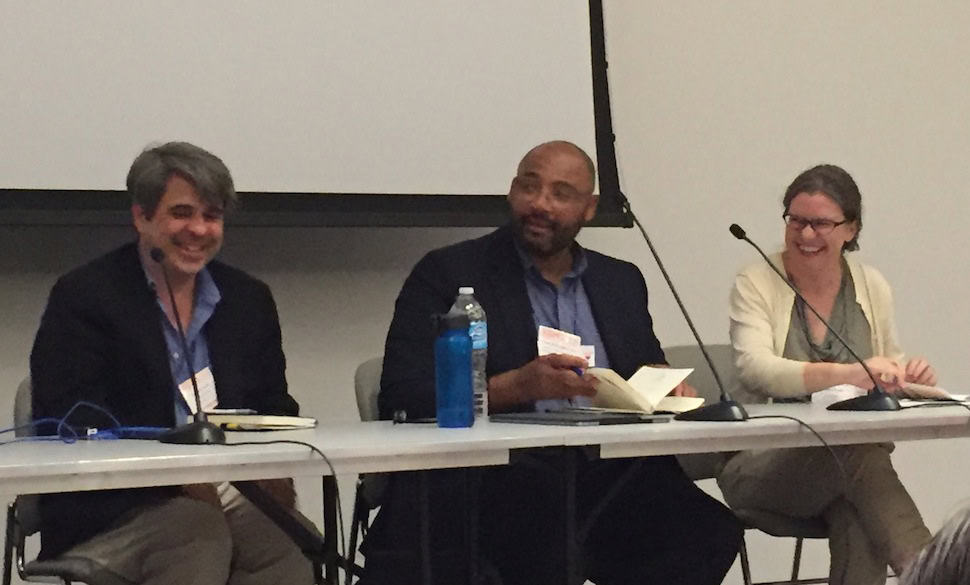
[65,432]
[83,403]
[314,449]
[30,425]
[835,457]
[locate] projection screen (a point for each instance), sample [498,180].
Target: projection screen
[327,112]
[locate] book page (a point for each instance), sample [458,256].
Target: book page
[612,391]
[923,392]
[678,404]
[653,384]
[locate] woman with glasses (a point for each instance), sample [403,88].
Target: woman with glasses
[784,352]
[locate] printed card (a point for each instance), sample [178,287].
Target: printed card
[207,390]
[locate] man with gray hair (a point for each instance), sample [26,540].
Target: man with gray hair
[109,337]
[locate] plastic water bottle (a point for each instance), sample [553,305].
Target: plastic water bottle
[478,331]
[453,372]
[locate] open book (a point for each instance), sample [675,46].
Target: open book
[645,391]
[261,422]
[909,394]
[923,392]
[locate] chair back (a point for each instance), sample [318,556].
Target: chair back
[22,409]
[367,385]
[705,465]
[690,356]
[25,508]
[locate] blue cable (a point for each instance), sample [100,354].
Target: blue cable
[40,421]
[63,424]
[66,433]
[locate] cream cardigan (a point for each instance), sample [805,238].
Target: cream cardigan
[761,312]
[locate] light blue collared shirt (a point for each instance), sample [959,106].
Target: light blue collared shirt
[207,296]
[565,307]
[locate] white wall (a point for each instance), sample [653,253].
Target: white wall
[717,106]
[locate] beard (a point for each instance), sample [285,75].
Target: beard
[543,237]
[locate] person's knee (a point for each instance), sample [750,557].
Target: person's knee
[289,567]
[861,459]
[727,531]
[206,527]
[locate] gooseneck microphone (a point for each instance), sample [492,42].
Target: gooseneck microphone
[200,430]
[725,410]
[878,399]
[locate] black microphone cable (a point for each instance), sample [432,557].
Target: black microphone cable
[336,486]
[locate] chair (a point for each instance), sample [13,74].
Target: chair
[23,520]
[370,486]
[709,465]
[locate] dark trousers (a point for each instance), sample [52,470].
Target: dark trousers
[636,521]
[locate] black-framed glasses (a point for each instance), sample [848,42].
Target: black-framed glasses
[820,226]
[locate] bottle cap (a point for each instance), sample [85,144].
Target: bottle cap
[466,290]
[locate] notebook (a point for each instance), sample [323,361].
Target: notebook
[579,418]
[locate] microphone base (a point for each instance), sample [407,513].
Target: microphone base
[723,411]
[194,433]
[870,401]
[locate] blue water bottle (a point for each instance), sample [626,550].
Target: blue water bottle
[453,371]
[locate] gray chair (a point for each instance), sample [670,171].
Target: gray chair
[709,465]
[370,486]
[23,520]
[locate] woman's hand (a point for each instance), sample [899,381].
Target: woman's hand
[888,372]
[919,371]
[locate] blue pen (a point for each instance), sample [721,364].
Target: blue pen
[578,371]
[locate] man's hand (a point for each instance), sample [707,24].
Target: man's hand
[548,376]
[204,492]
[919,371]
[683,389]
[281,490]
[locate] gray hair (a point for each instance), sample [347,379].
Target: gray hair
[946,559]
[149,175]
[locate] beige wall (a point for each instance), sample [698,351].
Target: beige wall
[717,106]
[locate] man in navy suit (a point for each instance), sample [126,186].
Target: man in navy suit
[109,337]
[656,526]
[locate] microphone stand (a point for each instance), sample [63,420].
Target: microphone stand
[877,399]
[726,409]
[200,431]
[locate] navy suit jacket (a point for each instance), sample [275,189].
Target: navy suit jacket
[616,290]
[101,340]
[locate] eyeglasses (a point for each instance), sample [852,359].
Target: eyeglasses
[820,226]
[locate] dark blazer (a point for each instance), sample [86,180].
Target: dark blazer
[616,290]
[101,340]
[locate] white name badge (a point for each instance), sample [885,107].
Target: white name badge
[207,391]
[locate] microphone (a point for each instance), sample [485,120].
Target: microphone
[878,399]
[200,430]
[726,409]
